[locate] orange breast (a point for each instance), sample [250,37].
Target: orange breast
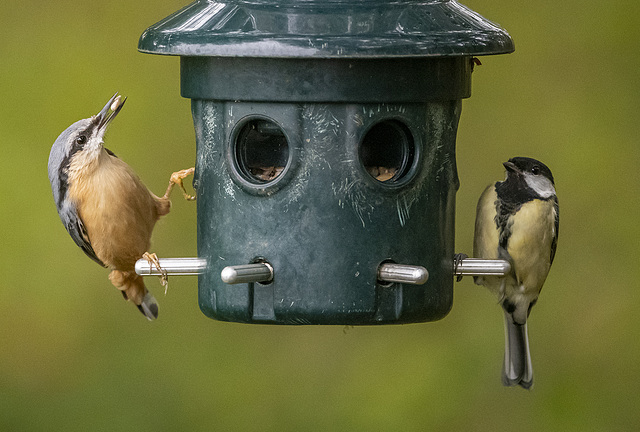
[118,212]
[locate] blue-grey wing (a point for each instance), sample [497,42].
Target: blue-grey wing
[78,232]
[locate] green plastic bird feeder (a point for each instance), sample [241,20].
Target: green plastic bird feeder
[325,166]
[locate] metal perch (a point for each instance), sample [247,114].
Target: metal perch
[263,272]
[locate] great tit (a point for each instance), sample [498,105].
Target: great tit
[517,220]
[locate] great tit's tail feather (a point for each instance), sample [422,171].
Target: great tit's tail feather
[517,368]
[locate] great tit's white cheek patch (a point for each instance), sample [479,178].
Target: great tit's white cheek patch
[541,185]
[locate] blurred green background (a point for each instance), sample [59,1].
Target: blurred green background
[74,356]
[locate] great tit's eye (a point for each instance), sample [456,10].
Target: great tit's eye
[81,139]
[535,170]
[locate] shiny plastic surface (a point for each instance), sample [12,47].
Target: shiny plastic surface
[325,29]
[326,225]
[325,135]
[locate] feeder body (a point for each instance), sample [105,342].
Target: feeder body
[325,147]
[325,225]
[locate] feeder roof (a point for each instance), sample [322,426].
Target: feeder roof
[325,29]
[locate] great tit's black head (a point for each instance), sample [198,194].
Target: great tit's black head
[536,175]
[529,165]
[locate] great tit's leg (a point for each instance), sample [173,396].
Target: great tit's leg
[457,259]
[153,260]
[176,179]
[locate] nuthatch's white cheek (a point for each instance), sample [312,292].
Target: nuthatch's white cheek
[84,163]
[94,147]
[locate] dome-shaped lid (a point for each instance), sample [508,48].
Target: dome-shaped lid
[324,29]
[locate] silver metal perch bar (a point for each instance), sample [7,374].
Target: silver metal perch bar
[247,273]
[263,272]
[401,273]
[172,266]
[482,267]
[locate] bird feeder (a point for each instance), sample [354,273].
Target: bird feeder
[325,154]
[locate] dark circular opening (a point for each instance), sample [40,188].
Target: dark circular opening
[387,151]
[261,151]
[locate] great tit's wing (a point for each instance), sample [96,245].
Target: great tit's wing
[77,231]
[554,242]
[486,238]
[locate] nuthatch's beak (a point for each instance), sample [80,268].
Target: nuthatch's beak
[511,167]
[109,112]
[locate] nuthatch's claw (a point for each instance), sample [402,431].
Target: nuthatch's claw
[153,260]
[457,259]
[176,179]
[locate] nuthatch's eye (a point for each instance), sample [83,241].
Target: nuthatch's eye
[535,170]
[81,139]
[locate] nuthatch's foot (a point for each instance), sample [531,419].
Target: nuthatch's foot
[176,179]
[153,260]
[457,259]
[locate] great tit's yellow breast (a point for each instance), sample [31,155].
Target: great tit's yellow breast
[532,234]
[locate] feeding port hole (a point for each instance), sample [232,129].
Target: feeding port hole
[387,151]
[261,151]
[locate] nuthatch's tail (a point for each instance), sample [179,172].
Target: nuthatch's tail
[132,287]
[149,306]
[517,368]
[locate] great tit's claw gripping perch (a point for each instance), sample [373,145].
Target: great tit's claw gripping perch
[457,259]
[153,260]
[176,179]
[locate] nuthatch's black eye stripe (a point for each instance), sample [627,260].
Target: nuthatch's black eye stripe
[63,180]
[80,140]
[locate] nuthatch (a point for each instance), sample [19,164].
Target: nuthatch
[103,204]
[517,220]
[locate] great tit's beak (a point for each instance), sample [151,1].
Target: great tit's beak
[110,111]
[511,167]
